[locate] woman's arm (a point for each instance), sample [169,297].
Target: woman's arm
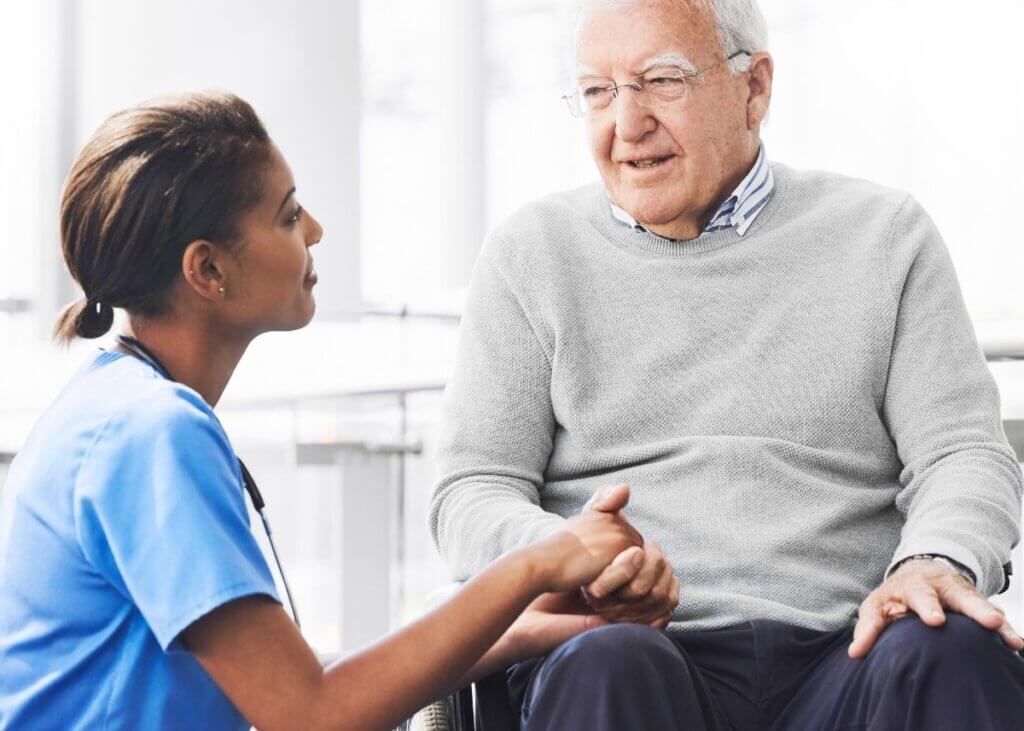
[256,655]
[549,621]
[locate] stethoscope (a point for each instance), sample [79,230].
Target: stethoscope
[141,352]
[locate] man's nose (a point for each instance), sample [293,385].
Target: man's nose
[632,121]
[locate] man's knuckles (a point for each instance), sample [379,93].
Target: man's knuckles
[634,592]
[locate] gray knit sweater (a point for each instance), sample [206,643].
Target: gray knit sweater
[795,409]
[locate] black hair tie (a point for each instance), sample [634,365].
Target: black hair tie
[97,318]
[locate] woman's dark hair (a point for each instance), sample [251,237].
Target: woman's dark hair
[151,180]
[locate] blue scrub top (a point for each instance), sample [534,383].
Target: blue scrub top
[129,524]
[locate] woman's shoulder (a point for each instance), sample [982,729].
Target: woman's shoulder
[118,398]
[148,405]
[149,430]
[117,417]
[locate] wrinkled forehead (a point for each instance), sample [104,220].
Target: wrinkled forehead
[626,38]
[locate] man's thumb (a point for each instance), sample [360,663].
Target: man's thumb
[610,499]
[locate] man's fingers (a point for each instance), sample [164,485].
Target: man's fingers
[923,600]
[967,601]
[870,623]
[1010,637]
[651,572]
[618,573]
[667,592]
[655,609]
[661,622]
[609,499]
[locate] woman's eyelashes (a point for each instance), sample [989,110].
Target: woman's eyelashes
[295,215]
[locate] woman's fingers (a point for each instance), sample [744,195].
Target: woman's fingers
[564,602]
[554,629]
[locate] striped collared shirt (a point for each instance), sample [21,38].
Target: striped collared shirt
[739,210]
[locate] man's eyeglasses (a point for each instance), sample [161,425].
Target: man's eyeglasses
[658,87]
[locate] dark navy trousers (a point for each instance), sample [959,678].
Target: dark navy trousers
[768,675]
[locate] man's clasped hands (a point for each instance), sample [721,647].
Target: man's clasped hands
[637,586]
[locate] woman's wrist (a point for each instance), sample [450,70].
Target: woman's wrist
[536,567]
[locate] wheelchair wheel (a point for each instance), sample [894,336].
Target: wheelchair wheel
[435,717]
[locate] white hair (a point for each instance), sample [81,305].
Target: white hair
[739,25]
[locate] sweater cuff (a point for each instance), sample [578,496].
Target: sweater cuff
[946,561]
[951,550]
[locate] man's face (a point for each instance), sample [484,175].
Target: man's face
[702,146]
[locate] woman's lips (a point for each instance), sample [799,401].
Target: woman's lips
[311,278]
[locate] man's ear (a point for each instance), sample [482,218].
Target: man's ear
[202,268]
[761,72]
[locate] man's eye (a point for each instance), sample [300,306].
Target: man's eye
[665,81]
[594,90]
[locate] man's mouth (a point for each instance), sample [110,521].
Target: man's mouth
[648,162]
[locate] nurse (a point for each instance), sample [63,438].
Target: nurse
[133,594]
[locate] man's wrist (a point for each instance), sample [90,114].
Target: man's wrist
[946,561]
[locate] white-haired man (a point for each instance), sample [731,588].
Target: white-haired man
[781,366]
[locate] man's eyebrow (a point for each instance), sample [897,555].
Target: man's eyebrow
[673,59]
[586,72]
[286,197]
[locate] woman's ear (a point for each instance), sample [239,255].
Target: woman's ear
[202,268]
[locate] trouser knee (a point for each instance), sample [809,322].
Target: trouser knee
[618,651]
[959,646]
[614,677]
[960,675]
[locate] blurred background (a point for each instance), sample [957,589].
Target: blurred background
[412,127]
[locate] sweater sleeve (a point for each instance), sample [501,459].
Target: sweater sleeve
[960,483]
[497,426]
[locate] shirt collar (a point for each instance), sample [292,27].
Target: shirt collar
[739,210]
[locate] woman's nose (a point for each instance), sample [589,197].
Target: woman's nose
[315,232]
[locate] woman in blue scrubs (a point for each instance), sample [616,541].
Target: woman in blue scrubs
[133,593]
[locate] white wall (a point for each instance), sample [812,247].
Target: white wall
[296,62]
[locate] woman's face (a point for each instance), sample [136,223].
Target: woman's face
[270,282]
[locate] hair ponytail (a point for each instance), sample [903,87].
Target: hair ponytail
[83,319]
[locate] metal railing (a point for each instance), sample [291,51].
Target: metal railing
[15,305]
[371,477]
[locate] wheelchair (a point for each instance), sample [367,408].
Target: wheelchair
[482,706]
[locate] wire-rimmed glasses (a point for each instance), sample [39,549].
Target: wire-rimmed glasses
[656,88]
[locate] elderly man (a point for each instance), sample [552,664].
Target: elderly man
[781,366]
